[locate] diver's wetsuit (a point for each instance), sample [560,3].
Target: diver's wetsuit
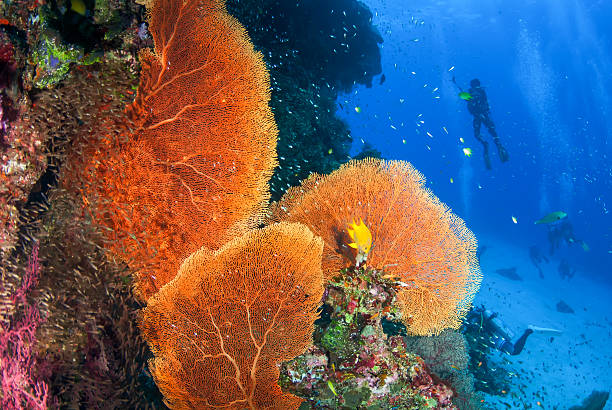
[513,348]
[478,106]
[499,336]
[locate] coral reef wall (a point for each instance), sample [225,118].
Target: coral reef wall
[179,182]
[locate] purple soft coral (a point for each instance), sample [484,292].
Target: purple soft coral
[18,362]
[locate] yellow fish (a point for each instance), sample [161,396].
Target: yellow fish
[361,236]
[467,152]
[331,387]
[552,217]
[78,6]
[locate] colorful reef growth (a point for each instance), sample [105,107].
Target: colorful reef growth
[353,364]
[415,238]
[190,165]
[22,150]
[222,326]
[22,371]
[406,258]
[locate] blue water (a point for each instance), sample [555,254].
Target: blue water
[547,69]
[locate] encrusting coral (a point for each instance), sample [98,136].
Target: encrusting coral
[222,326]
[415,237]
[191,166]
[446,356]
[353,363]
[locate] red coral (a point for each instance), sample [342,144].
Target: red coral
[21,387]
[427,387]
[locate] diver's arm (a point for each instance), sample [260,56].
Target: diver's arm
[458,86]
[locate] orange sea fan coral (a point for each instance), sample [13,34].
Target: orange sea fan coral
[414,236]
[220,328]
[193,169]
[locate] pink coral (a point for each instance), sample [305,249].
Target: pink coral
[21,387]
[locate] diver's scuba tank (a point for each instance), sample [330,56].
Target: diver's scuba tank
[500,329]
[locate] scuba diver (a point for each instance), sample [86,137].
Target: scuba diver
[484,331]
[560,230]
[478,106]
[563,231]
[481,320]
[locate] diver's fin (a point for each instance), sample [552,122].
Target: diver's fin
[544,329]
[503,154]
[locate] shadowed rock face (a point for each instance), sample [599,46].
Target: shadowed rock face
[334,39]
[509,273]
[596,401]
[337,40]
[310,60]
[564,307]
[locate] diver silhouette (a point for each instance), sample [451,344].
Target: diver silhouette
[563,231]
[484,332]
[478,106]
[481,320]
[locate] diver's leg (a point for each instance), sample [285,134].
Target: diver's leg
[486,119]
[520,343]
[503,154]
[485,144]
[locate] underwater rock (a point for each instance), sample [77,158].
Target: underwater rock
[509,273]
[368,151]
[564,307]
[334,39]
[596,401]
[446,357]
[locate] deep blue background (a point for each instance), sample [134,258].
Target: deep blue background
[547,69]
